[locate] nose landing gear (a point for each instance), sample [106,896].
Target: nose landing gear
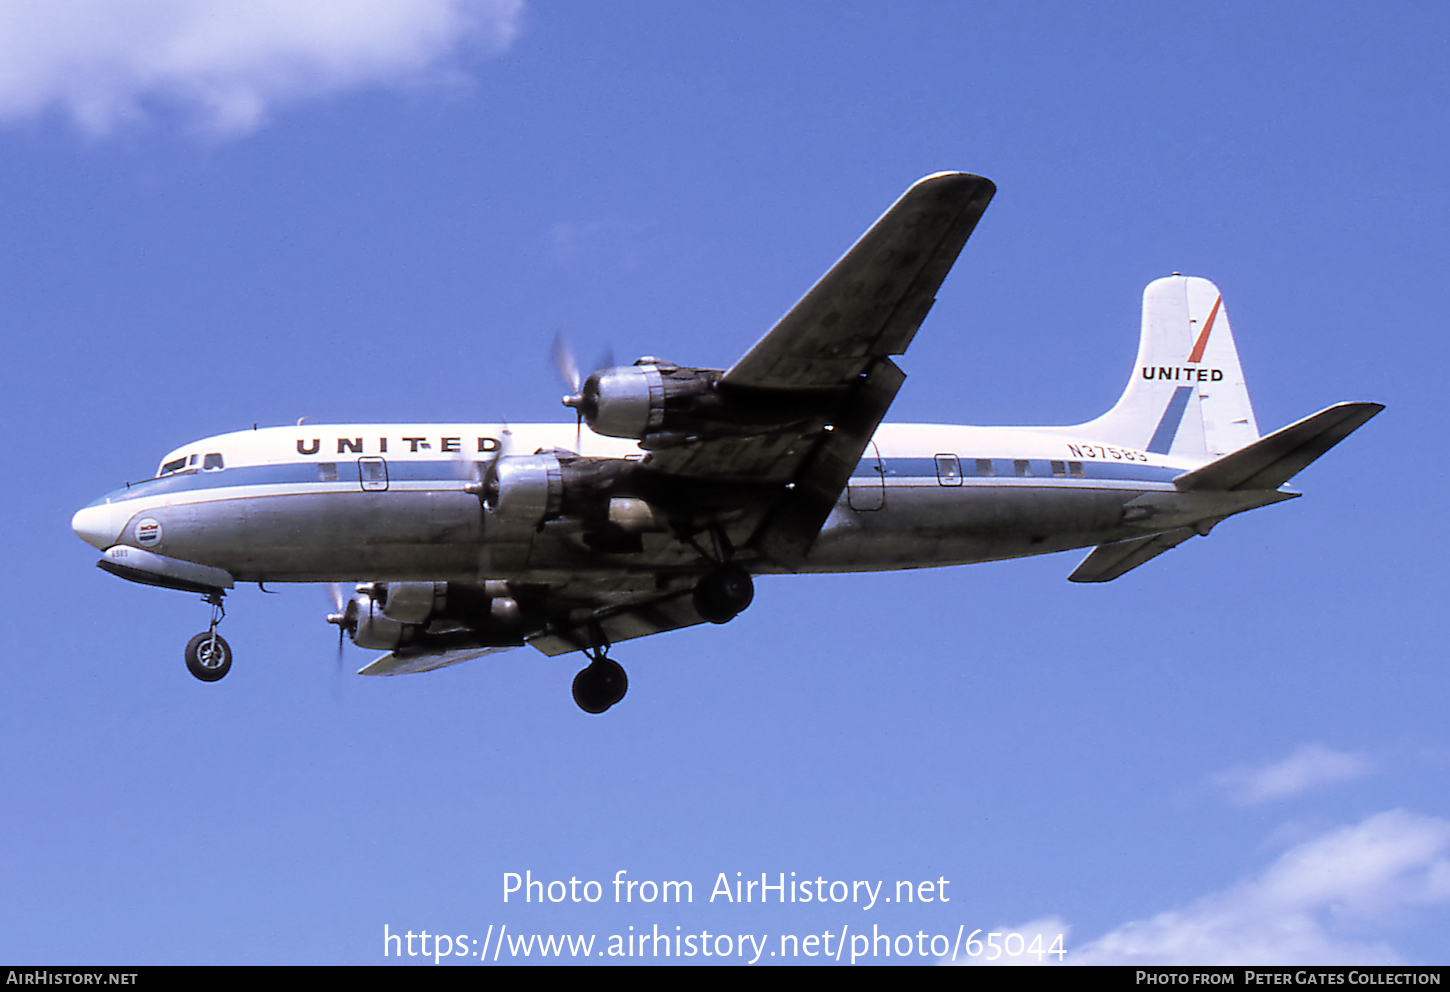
[208,657]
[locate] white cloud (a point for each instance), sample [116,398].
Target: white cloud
[1311,765]
[1305,908]
[618,242]
[225,64]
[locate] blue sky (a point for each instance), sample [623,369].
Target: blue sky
[386,211]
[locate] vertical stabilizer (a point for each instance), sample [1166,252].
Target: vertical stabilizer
[1187,397]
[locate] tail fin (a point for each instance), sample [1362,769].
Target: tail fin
[1187,396]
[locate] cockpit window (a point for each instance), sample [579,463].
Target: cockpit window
[212,462]
[174,466]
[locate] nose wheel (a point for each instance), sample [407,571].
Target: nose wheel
[208,656]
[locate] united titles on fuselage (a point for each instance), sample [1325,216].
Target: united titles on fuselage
[358,445]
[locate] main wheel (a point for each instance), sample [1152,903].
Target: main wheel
[600,685]
[208,659]
[724,593]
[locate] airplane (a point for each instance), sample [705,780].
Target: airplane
[462,539]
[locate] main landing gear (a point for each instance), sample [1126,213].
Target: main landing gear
[600,685]
[727,589]
[724,593]
[208,657]
[720,595]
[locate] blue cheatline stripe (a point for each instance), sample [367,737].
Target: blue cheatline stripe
[1172,419]
[448,474]
[900,469]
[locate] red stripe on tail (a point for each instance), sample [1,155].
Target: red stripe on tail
[1202,342]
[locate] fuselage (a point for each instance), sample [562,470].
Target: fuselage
[395,502]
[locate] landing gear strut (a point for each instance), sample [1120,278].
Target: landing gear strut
[208,657]
[602,683]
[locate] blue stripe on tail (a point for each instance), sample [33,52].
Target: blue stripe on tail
[1172,419]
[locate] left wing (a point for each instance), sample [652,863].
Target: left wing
[403,662]
[820,381]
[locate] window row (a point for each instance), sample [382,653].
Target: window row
[949,468]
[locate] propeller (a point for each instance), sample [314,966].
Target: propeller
[568,368]
[345,616]
[567,365]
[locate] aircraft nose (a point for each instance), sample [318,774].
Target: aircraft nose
[98,525]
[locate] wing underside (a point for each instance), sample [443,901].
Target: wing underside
[828,362]
[412,663]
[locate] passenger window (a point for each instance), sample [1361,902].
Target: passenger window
[1059,470]
[1076,469]
[984,467]
[212,463]
[327,471]
[1023,468]
[373,473]
[948,470]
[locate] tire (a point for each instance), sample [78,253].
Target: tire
[207,664]
[600,685]
[724,593]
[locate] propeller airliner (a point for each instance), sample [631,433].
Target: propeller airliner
[446,542]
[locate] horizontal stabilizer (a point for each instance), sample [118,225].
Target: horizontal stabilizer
[1108,561]
[1271,461]
[403,663]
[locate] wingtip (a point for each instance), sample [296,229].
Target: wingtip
[937,177]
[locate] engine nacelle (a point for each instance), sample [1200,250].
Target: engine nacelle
[375,629]
[414,602]
[648,398]
[434,615]
[533,489]
[525,489]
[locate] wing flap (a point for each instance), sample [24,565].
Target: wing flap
[1108,561]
